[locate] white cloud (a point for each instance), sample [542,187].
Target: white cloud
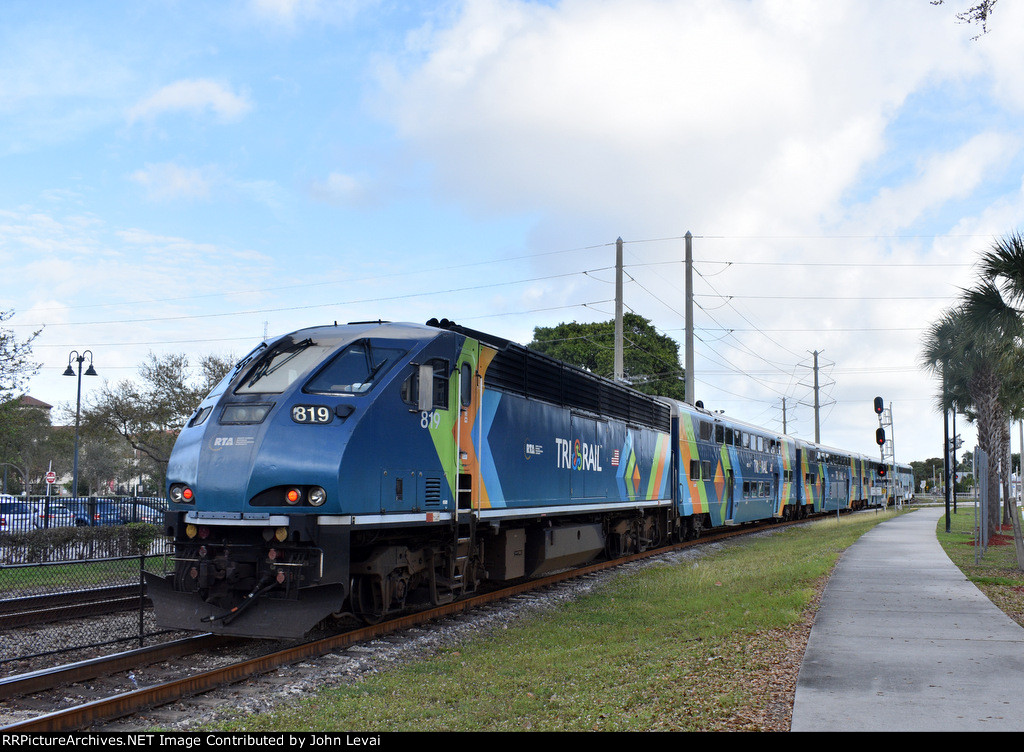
[339,189]
[763,112]
[168,181]
[940,178]
[288,13]
[196,96]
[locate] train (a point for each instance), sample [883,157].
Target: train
[372,468]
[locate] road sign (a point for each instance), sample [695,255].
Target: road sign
[51,477]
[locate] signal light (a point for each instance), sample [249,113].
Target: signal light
[879,405]
[881,472]
[880,436]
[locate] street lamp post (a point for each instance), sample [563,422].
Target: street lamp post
[69,371]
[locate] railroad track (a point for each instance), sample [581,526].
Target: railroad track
[43,609]
[100,711]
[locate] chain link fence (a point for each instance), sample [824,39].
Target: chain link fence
[73,587]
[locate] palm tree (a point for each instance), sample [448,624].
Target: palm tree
[973,348]
[977,349]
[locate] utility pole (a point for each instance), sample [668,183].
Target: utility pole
[618,310]
[689,321]
[817,424]
[945,455]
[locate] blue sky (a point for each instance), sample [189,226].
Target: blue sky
[182,176]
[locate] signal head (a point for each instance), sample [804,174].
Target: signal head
[879,405]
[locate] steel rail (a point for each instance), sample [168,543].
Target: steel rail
[48,678]
[63,599]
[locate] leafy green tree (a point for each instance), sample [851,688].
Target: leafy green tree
[971,366]
[976,349]
[101,460]
[16,365]
[650,360]
[149,413]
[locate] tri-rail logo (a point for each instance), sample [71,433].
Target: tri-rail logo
[578,455]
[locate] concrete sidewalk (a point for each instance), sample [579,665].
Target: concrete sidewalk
[903,642]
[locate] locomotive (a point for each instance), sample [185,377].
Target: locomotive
[372,468]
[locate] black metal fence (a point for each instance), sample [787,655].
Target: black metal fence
[73,591]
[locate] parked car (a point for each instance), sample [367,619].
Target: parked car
[138,511]
[59,515]
[16,516]
[95,512]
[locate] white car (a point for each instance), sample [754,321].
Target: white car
[59,516]
[16,516]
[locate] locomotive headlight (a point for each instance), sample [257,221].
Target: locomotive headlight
[317,496]
[293,496]
[181,494]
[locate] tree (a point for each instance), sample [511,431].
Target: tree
[150,413]
[650,360]
[28,443]
[16,365]
[976,14]
[102,460]
[970,365]
[978,349]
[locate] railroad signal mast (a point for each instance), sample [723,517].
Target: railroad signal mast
[885,446]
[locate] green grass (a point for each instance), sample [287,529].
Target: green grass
[996,572]
[39,575]
[687,646]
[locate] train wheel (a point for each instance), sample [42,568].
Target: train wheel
[368,599]
[616,545]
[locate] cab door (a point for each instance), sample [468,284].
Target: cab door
[470,366]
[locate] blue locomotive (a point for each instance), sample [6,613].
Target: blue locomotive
[372,468]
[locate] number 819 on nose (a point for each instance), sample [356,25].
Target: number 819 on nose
[311,414]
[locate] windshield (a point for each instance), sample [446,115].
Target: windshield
[282,365]
[356,368]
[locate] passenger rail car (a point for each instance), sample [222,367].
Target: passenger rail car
[372,468]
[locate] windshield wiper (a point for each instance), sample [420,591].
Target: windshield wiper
[271,363]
